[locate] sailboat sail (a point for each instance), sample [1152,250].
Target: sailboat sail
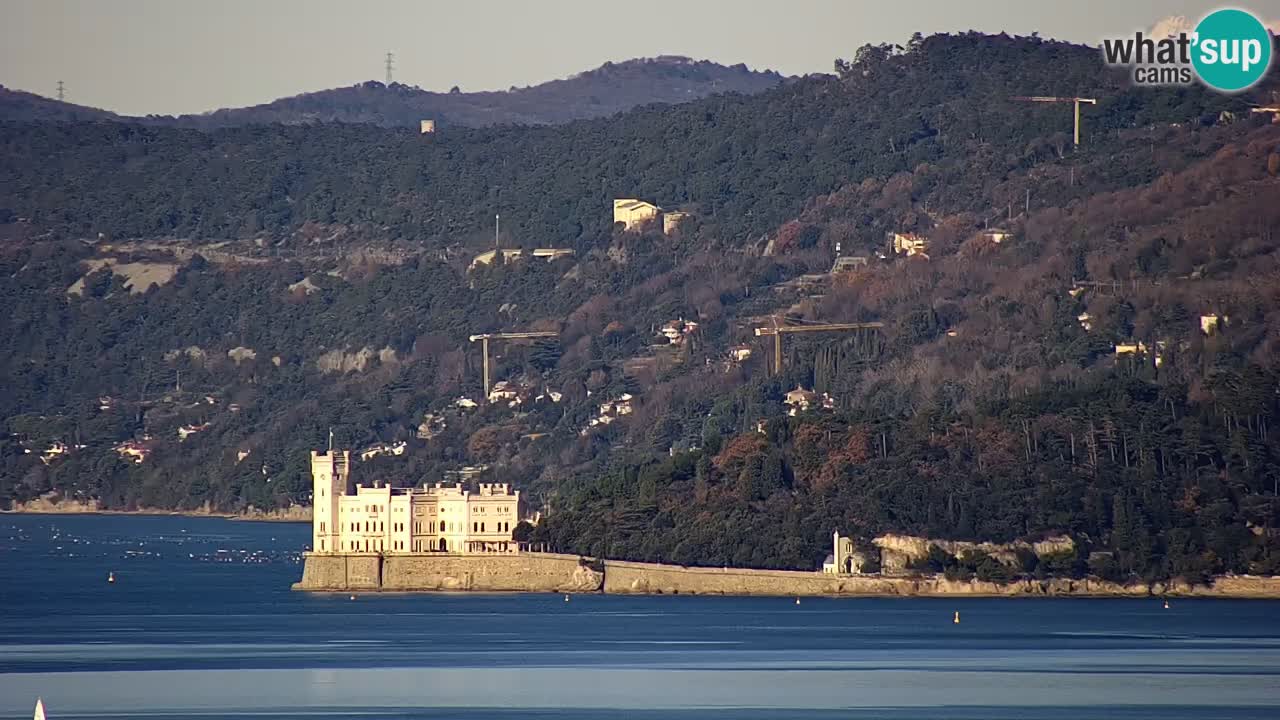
[39,709]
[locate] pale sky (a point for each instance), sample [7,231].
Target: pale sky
[182,56]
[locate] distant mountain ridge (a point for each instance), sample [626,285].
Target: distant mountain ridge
[606,90]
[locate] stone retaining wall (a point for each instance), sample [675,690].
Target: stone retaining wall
[526,572]
[341,572]
[548,572]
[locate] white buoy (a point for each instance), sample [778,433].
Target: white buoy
[797,601]
[1166,604]
[566,598]
[111,577]
[353,597]
[956,619]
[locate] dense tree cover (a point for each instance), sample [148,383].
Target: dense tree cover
[746,164]
[984,409]
[606,90]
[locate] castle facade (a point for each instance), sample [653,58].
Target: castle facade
[428,519]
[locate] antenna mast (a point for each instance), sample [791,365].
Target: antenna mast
[60,91]
[390,66]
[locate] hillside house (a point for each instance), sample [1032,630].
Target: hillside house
[512,393]
[509,254]
[675,331]
[909,244]
[634,214]
[467,472]
[1138,348]
[551,395]
[1209,324]
[134,451]
[621,406]
[610,411]
[799,400]
[432,424]
[997,235]
[54,451]
[374,451]
[187,431]
[739,353]
[427,127]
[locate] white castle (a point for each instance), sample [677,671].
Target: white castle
[381,519]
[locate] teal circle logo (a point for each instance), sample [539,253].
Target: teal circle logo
[1232,50]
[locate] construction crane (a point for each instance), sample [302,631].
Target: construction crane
[777,331]
[484,344]
[1075,100]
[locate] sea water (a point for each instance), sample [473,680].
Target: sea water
[200,622]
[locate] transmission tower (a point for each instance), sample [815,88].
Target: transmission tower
[390,65]
[60,91]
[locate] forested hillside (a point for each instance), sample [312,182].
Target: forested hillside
[606,90]
[1102,366]
[19,106]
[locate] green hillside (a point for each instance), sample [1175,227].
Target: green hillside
[317,277]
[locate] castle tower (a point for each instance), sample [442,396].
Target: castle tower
[330,472]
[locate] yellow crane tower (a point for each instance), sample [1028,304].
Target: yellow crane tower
[777,331]
[1076,100]
[484,344]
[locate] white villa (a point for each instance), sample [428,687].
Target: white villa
[386,520]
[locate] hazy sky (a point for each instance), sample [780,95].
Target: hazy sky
[181,56]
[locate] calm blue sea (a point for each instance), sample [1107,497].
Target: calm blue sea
[201,623]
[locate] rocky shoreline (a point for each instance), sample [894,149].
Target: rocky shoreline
[54,506]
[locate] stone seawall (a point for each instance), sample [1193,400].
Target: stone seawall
[548,572]
[526,572]
[623,577]
[341,572]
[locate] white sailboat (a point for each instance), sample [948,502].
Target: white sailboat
[39,709]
